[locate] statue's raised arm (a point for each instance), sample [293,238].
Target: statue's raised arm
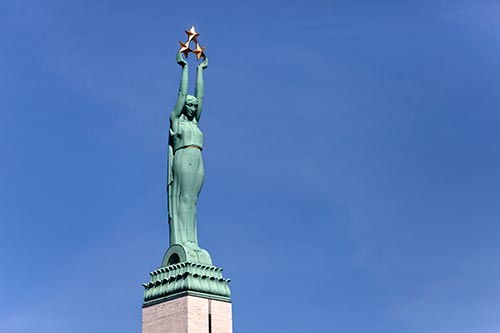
[199,89]
[183,89]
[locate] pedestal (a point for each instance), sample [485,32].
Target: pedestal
[187,298]
[188,314]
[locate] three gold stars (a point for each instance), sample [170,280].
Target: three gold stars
[192,37]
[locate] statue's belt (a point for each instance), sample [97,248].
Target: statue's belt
[190,146]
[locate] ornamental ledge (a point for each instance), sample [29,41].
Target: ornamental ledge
[186,276]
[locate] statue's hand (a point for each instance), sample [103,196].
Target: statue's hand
[204,64]
[180,60]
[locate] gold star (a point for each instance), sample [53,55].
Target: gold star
[185,48]
[192,34]
[199,51]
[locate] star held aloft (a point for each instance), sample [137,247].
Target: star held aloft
[185,48]
[192,34]
[199,51]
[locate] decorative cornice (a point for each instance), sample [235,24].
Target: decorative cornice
[171,280]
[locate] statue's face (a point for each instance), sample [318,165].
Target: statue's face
[190,107]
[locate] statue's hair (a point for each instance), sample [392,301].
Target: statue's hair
[192,98]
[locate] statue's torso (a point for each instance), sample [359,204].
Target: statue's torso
[188,134]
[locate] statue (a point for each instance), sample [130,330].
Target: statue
[185,163]
[186,268]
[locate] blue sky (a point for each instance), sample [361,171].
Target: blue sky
[351,152]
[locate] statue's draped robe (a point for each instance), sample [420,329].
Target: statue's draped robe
[186,174]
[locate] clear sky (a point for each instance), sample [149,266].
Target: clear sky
[352,156]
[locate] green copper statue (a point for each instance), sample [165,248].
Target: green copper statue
[186,268]
[185,163]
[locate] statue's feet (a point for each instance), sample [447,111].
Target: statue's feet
[191,245]
[187,251]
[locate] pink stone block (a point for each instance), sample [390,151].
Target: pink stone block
[188,314]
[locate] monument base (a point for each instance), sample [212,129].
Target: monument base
[187,297]
[187,313]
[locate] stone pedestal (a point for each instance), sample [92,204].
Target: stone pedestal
[187,314]
[187,297]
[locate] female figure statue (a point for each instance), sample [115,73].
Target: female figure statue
[185,164]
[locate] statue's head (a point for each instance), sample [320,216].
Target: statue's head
[190,106]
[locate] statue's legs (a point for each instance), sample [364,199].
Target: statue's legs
[188,176]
